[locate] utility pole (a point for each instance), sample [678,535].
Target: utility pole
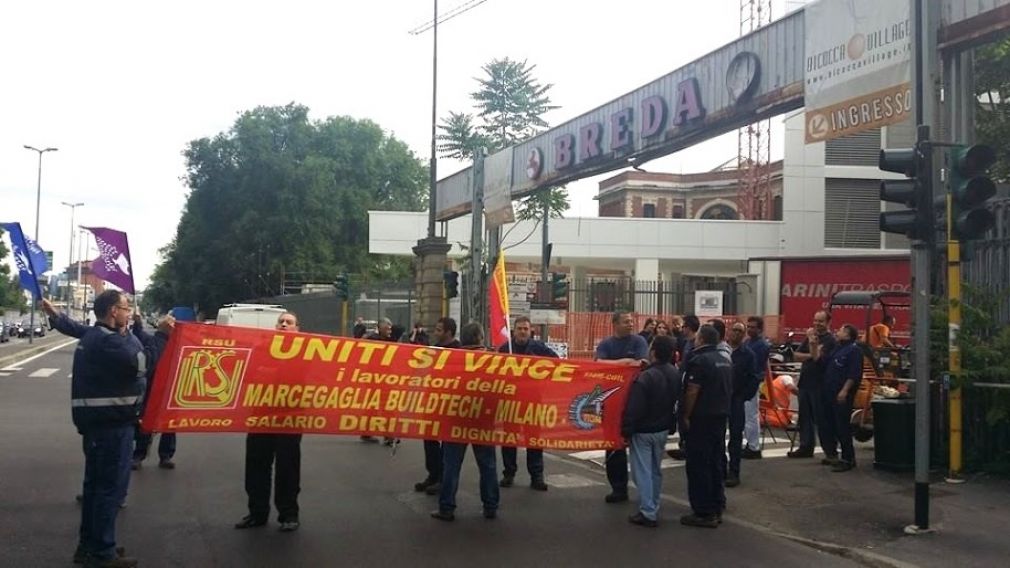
[70,256]
[38,202]
[545,262]
[475,296]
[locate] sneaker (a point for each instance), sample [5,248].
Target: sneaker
[732,481]
[829,461]
[708,522]
[749,454]
[490,513]
[441,515]
[370,439]
[433,489]
[166,463]
[80,555]
[676,453]
[616,497]
[842,466]
[422,486]
[507,481]
[642,521]
[538,485]
[249,522]
[800,453]
[289,526]
[115,562]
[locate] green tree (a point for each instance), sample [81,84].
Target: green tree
[510,104]
[992,120]
[280,197]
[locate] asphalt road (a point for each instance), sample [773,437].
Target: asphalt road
[357,505]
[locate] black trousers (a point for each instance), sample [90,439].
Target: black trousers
[433,459]
[736,426]
[534,462]
[280,452]
[811,419]
[706,446]
[837,426]
[617,470]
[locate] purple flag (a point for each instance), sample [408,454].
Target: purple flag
[114,263]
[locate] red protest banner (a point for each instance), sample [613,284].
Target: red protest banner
[233,379]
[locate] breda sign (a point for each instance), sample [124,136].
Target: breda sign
[755,77]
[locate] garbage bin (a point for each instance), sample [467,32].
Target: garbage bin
[894,434]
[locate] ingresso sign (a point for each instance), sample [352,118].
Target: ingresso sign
[757,76]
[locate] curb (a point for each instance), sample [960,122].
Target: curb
[13,358]
[863,557]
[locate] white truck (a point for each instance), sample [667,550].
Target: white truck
[263,316]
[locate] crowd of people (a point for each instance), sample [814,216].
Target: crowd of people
[700,380]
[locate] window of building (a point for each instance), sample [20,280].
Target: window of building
[720,211]
[649,210]
[678,212]
[777,208]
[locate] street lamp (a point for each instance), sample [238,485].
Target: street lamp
[70,256]
[38,199]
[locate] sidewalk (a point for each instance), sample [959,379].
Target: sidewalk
[865,511]
[19,349]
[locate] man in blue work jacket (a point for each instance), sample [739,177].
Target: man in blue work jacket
[107,391]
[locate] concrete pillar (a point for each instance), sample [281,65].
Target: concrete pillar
[646,282]
[431,262]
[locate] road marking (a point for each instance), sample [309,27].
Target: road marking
[11,369]
[3,374]
[571,481]
[43,373]
[43,354]
[598,457]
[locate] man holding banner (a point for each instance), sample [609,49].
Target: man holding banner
[625,347]
[281,452]
[524,344]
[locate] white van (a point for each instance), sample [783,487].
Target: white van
[263,316]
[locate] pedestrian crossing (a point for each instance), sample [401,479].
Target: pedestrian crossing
[772,449]
[42,373]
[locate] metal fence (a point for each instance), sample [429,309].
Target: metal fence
[319,310]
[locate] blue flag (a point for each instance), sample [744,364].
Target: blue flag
[26,259]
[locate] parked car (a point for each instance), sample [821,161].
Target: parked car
[5,335]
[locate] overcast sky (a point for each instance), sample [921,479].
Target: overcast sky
[120,87]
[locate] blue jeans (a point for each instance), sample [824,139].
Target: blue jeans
[107,453]
[646,454]
[452,463]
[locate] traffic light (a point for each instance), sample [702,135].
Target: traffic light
[970,189]
[343,287]
[451,279]
[915,192]
[559,287]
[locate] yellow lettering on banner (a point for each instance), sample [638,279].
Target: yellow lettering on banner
[294,394]
[563,373]
[422,358]
[277,350]
[516,366]
[324,351]
[540,369]
[282,395]
[475,362]
[367,349]
[252,394]
[345,353]
[387,358]
[199,422]
[443,358]
[348,422]
[478,435]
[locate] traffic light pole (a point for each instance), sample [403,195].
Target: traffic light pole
[953,351]
[545,260]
